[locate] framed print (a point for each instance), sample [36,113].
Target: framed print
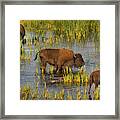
[60,59]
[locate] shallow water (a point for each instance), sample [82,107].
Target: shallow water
[27,70]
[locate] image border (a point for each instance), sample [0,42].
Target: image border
[2,56]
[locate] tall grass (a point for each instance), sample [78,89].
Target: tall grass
[66,31]
[80,31]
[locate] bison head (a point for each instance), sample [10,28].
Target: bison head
[78,60]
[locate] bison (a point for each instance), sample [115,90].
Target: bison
[94,78]
[59,58]
[22,34]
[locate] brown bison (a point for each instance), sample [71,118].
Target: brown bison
[22,34]
[22,31]
[94,78]
[59,58]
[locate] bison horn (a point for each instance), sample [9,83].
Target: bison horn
[74,56]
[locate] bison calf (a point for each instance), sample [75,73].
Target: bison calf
[76,62]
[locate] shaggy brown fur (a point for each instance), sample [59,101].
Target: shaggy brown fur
[58,57]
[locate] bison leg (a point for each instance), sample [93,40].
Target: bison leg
[90,84]
[43,65]
[97,82]
[89,92]
[59,64]
[56,68]
[59,70]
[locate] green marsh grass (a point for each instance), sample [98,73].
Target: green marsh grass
[70,31]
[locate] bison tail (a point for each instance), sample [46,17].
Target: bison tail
[36,56]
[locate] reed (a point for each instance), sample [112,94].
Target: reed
[65,30]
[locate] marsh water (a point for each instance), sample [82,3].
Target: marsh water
[27,69]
